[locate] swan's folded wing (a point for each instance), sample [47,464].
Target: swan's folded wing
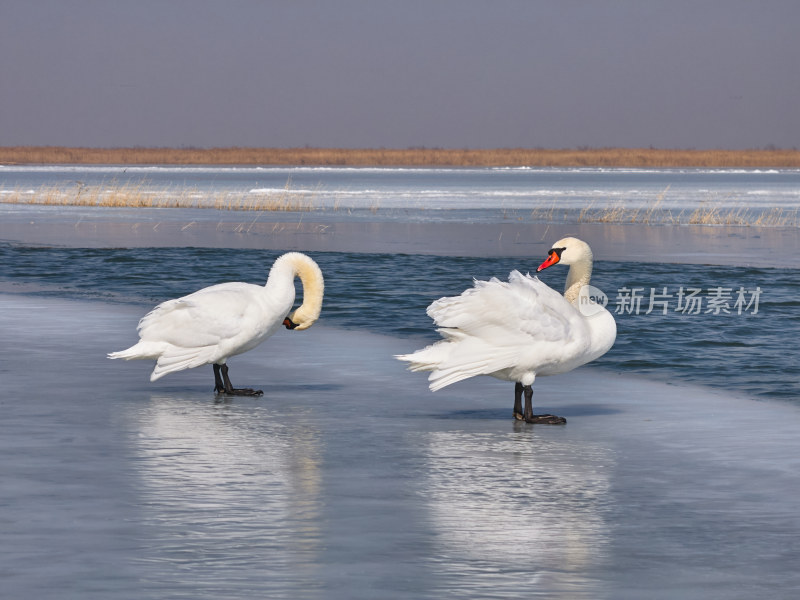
[461,356]
[177,359]
[204,318]
[496,326]
[523,310]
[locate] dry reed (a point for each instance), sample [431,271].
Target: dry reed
[703,215]
[141,196]
[410,157]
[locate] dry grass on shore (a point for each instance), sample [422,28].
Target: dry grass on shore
[703,215]
[115,195]
[412,157]
[142,195]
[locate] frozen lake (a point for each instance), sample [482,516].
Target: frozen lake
[434,191]
[349,479]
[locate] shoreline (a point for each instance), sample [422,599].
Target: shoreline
[410,157]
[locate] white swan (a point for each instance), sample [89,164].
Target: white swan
[518,329]
[220,321]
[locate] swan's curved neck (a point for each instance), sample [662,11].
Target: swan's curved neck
[579,275]
[296,264]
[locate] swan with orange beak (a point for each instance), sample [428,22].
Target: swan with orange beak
[517,330]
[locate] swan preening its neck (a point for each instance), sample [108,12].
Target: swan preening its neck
[296,264]
[578,255]
[217,322]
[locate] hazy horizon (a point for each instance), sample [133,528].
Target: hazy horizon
[683,74]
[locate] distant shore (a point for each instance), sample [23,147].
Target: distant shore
[411,157]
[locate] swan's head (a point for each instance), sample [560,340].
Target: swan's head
[301,319]
[567,251]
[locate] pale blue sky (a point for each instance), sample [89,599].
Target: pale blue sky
[436,73]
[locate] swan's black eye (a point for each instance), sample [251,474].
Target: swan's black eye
[558,252]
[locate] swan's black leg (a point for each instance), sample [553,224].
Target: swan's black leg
[222,385]
[219,386]
[541,419]
[518,402]
[528,403]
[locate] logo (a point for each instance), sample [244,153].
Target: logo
[591,300]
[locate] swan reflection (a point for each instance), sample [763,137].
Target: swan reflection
[517,509]
[229,485]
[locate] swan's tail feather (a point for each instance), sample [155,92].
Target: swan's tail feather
[448,374]
[440,379]
[451,362]
[443,376]
[142,350]
[445,368]
[427,359]
[169,358]
[179,359]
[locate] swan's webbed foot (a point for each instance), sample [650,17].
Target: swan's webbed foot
[223,386]
[546,420]
[527,415]
[239,392]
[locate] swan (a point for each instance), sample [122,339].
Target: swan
[217,322]
[519,329]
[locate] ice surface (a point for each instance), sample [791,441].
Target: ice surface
[349,479]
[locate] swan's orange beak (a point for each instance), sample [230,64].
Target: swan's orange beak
[289,324]
[552,258]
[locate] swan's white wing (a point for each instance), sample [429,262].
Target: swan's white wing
[204,327]
[496,327]
[523,306]
[206,317]
[176,358]
[223,320]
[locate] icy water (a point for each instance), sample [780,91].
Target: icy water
[349,479]
[676,476]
